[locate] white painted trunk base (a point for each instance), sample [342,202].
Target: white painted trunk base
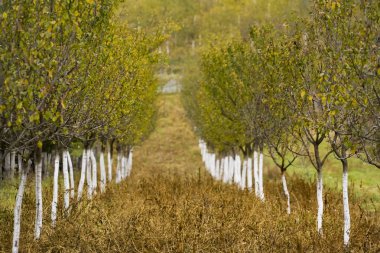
[320,202]
[18,208]
[130,162]
[286,192]
[89,174]
[118,168]
[38,221]
[71,173]
[109,158]
[66,181]
[82,175]
[256,173]
[94,172]
[261,181]
[244,174]
[103,177]
[346,210]
[249,174]
[54,203]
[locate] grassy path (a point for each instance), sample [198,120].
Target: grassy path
[169,204]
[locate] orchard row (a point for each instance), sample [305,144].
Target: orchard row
[71,72]
[308,87]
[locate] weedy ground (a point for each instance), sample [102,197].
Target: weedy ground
[170,204]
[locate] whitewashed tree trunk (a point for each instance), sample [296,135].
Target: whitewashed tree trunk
[94,171]
[217,169]
[103,177]
[244,174]
[19,162]
[225,169]
[213,167]
[71,173]
[236,178]
[130,162]
[82,174]
[38,222]
[109,163]
[320,201]
[89,174]
[249,174]
[123,167]
[346,207]
[118,168]
[66,181]
[255,172]
[54,203]
[18,207]
[286,192]
[238,168]
[230,169]
[261,181]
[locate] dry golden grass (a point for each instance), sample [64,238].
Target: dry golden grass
[170,204]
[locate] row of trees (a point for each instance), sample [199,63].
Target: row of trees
[305,88]
[70,72]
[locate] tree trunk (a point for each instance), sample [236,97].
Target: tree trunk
[94,171]
[71,173]
[66,181]
[346,207]
[217,169]
[223,168]
[130,162]
[109,157]
[123,166]
[213,167]
[118,167]
[19,163]
[103,177]
[55,190]
[249,174]
[255,172]
[18,207]
[261,182]
[82,174]
[244,173]
[231,169]
[38,172]
[89,174]
[237,171]
[286,192]
[320,201]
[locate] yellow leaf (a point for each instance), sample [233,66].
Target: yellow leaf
[39,144]
[5,15]
[303,93]
[90,1]
[63,104]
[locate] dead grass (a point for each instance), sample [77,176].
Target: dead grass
[170,204]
